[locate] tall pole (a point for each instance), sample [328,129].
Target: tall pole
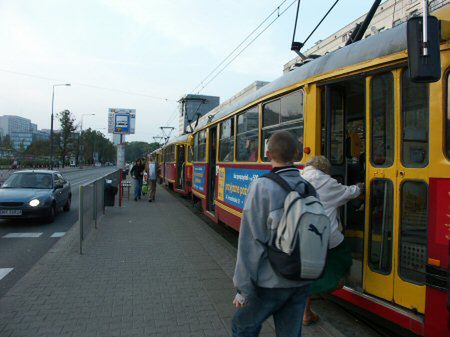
[51,121]
[51,130]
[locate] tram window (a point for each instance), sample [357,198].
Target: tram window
[247,135]
[381,224]
[202,146]
[382,120]
[226,146]
[415,117]
[447,131]
[190,154]
[337,128]
[292,107]
[271,113]
[413,231]
[195,147]
[284,114]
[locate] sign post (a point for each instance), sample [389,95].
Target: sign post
[121,122]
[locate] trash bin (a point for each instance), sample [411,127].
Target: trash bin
[110,193]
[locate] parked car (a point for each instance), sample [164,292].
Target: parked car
[34,194]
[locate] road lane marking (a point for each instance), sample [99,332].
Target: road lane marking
[22,235]
[57,234]
[4,272]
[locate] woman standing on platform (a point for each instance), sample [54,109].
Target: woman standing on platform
[333,195]
[137,173]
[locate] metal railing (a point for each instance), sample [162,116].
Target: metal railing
[92,203]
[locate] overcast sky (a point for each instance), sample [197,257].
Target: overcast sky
[148,48]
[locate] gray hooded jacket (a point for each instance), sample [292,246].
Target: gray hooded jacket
[262,212]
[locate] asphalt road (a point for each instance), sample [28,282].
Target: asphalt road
[19,254]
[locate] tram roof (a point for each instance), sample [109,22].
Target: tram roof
[179,139]
[384,43]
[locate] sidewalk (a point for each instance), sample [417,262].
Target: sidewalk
[151,269]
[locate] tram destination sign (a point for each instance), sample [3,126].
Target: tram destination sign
[121,121]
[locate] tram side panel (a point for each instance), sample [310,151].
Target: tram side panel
[437,300]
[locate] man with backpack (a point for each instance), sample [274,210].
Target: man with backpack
[283,243]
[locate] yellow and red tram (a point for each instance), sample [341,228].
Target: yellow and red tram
[359,107]
[176,165]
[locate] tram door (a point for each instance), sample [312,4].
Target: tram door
[212,168]
[343,143]
[181,165]
[397,189]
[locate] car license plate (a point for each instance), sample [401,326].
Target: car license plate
[10,212]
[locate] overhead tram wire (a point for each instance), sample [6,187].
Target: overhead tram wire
[246,46]
[239,45]
[87,85]
[297,46]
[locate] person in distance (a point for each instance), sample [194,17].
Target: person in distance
[137,173]
[152,176]
[261,291]
[332,195]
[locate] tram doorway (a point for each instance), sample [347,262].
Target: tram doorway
[181,165]
[212,141]
[343,143]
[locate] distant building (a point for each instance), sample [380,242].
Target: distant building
[193,107]
[389,14]
[20,130]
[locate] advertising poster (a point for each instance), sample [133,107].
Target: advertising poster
[235,183]
[199,178]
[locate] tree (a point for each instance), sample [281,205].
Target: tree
[7,143]
[95,142]
[39,147]
[136,150]
[67,122]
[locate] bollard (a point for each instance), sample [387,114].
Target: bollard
[80,218]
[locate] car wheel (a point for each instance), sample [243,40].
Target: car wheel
[52,214]
[66,207]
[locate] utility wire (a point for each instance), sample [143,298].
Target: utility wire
[87,85]
[246,46]
[237,47]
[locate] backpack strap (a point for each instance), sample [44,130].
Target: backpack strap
[280,181]
[309,189]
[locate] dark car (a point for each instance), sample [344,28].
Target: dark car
[34,194]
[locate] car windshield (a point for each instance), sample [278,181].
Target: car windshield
[29,180]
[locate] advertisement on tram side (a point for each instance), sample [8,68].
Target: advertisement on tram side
[233,184]
[199,178]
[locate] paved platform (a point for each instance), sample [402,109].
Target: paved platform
[151,269]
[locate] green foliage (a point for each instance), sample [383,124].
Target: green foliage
[95,142]
[136,150]
[66,139]
[39,147]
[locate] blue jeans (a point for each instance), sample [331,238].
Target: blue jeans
[285,304]
[137,188]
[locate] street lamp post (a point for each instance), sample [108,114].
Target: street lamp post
[51,121]
[82,147]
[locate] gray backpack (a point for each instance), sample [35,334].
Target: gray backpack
[298,249]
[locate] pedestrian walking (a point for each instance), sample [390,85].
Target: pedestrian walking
[137,173]
[152,176]
[261,291]
[332,195]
